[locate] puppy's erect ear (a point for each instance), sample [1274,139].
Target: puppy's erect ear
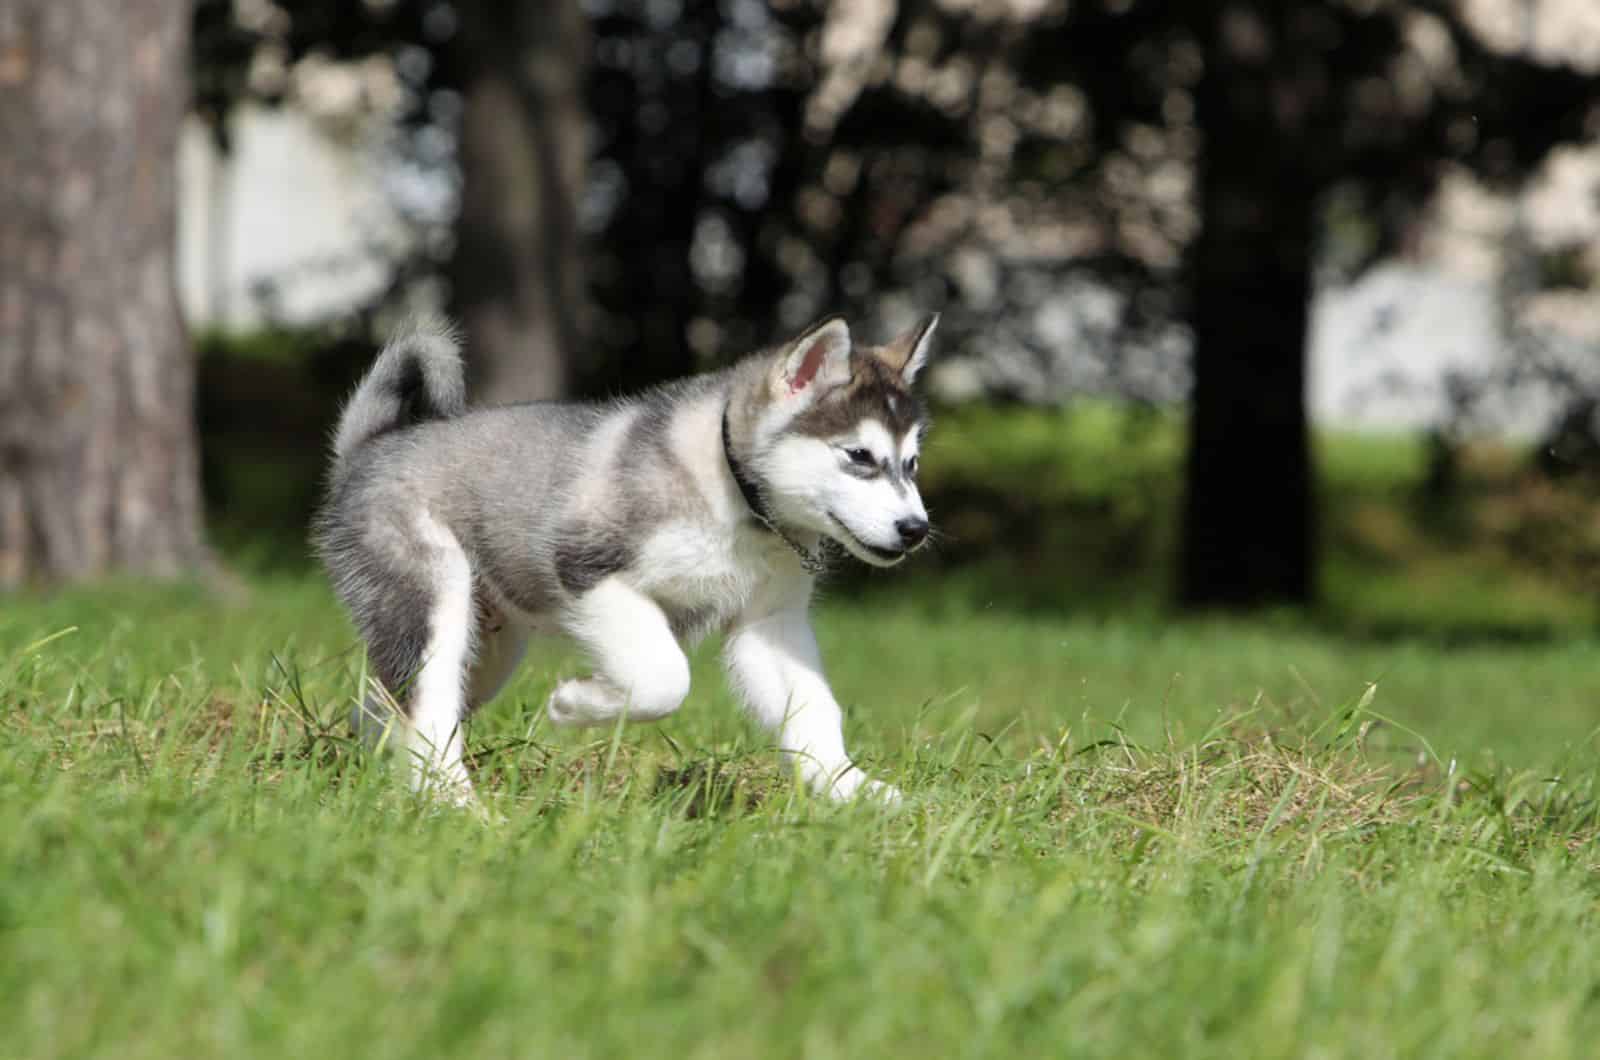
[909,352]
[818,359]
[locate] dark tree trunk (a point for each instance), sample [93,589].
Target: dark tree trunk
[661,124]
[1248,520]
[98,462]
[516,280]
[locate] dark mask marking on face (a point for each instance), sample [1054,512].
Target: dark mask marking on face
[874,392]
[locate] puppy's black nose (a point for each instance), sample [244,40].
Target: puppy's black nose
[913,531]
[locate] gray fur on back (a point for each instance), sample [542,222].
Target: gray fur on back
[546,498]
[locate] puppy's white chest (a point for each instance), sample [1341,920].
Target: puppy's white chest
[701,569]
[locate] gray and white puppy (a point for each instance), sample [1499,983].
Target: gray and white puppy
[452,535]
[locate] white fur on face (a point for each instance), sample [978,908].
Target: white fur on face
[816,484]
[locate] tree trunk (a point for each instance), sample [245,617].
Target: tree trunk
[517,285]
[1248,520]
[98,461]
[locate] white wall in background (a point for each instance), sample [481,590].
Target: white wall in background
[289,206]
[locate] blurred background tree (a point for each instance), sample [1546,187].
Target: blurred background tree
[1279,114]
[517,272]
[98,467]
[1296,103]
[1128,199]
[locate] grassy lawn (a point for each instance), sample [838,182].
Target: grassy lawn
[1124,836]
[1367,829]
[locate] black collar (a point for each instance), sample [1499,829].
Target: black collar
[747,485]
[813,561]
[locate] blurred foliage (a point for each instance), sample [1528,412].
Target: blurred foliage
[1033,174]
[1075,510]
[1129,197]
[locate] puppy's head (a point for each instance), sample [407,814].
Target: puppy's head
[838,444]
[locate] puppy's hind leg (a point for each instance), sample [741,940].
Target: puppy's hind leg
[437,703]
[413,603]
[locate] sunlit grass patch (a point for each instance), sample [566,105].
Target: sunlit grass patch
[1129,837]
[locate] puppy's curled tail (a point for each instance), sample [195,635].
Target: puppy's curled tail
[417,377]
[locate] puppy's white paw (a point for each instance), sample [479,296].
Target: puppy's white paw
[447,792]
[878,791]
[571,703]
[559,708]
[852,783]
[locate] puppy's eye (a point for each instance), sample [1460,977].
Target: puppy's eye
[861,457]
[911,467]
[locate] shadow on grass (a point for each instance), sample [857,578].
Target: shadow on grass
[715,787]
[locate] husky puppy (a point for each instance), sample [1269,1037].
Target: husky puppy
[453,535]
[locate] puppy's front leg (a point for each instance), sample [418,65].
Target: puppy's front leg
[774,666]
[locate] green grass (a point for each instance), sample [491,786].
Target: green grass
[1122,836]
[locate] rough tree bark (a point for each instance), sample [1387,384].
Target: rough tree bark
[1248,519]
[98,461]
[516,281]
